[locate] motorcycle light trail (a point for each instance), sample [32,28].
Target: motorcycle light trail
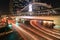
[20,29]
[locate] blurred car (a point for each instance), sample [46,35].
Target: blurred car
[47,23]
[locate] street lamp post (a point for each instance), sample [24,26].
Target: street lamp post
[30,8]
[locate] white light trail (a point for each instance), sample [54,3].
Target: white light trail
[24,31]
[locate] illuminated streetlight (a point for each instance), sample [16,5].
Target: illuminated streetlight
[16,19]
[30,7]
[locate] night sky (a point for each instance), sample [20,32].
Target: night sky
[4,4]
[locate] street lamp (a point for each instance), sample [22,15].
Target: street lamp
[30,8]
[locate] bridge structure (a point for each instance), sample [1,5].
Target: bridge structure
[28,16]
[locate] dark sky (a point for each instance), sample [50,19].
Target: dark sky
[4,5]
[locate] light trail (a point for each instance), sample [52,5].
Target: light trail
[21,31]
[38,33]
[25,32]
[43,30]
[57,31]
[31,31]
[5,33]
[51,31]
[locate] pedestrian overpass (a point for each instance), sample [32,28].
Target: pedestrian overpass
[28,16]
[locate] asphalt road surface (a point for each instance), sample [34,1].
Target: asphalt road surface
[35,31]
